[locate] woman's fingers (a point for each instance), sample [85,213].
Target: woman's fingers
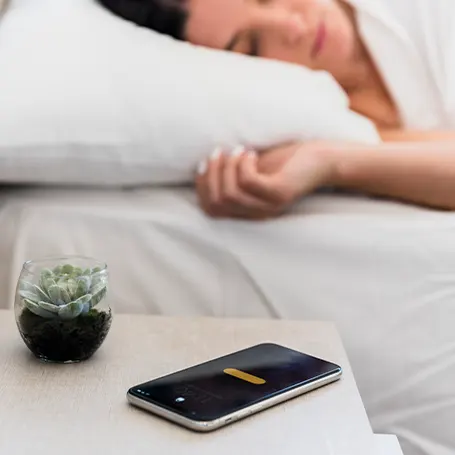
[208,181]
[212,177]
[271,189]
[233,195]
[220,191]
[242,185]
[230,188]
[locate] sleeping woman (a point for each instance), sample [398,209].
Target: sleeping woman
[393,60]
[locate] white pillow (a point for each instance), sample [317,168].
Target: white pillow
[88,98]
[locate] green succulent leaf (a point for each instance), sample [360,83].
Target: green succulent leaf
[46,273]
[77,271]
[57,270]
[26,286]
[63,281]
[65,295]
[96,280]
[40,292]
[49,307]
[96,270]
[67,269]
[97,287]
[31,296]
[72,285]
[36,309]
[46,283]
[98,294]
[55,294]
[86,272]
[59,295]
[32,306]
[83,286]
[84,299]
[71,310]
[86,309]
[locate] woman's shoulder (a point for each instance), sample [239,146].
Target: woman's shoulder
[413,44]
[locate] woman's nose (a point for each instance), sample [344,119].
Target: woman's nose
[294,29]
[290,27]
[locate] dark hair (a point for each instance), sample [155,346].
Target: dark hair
[164,16]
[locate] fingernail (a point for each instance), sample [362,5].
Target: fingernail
[216,154]
[202,167]
[239,150]
[252,154]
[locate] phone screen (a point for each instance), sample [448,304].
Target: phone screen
[228,384]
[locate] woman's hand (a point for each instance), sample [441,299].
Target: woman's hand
[244,184]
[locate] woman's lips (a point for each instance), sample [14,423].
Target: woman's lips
[319,40]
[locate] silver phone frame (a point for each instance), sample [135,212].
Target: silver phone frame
[202,426]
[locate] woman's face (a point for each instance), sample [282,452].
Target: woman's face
[319,34]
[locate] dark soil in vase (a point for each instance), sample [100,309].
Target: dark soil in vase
[56,340]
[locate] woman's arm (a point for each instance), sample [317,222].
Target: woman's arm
[416,136]
[420,173]
[246,185]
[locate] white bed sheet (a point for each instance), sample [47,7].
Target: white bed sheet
[384,272]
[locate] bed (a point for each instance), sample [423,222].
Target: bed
[384,272]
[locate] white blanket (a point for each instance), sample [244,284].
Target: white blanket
[413,44]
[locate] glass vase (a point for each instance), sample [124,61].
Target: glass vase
[61,308]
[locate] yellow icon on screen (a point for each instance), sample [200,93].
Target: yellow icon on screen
[244,376]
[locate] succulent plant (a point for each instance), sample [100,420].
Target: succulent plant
[65,292]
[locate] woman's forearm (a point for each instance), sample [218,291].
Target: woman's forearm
[401,135]
[421,173]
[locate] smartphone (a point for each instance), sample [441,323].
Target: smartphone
[221,391]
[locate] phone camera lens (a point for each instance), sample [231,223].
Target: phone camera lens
[179,400]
